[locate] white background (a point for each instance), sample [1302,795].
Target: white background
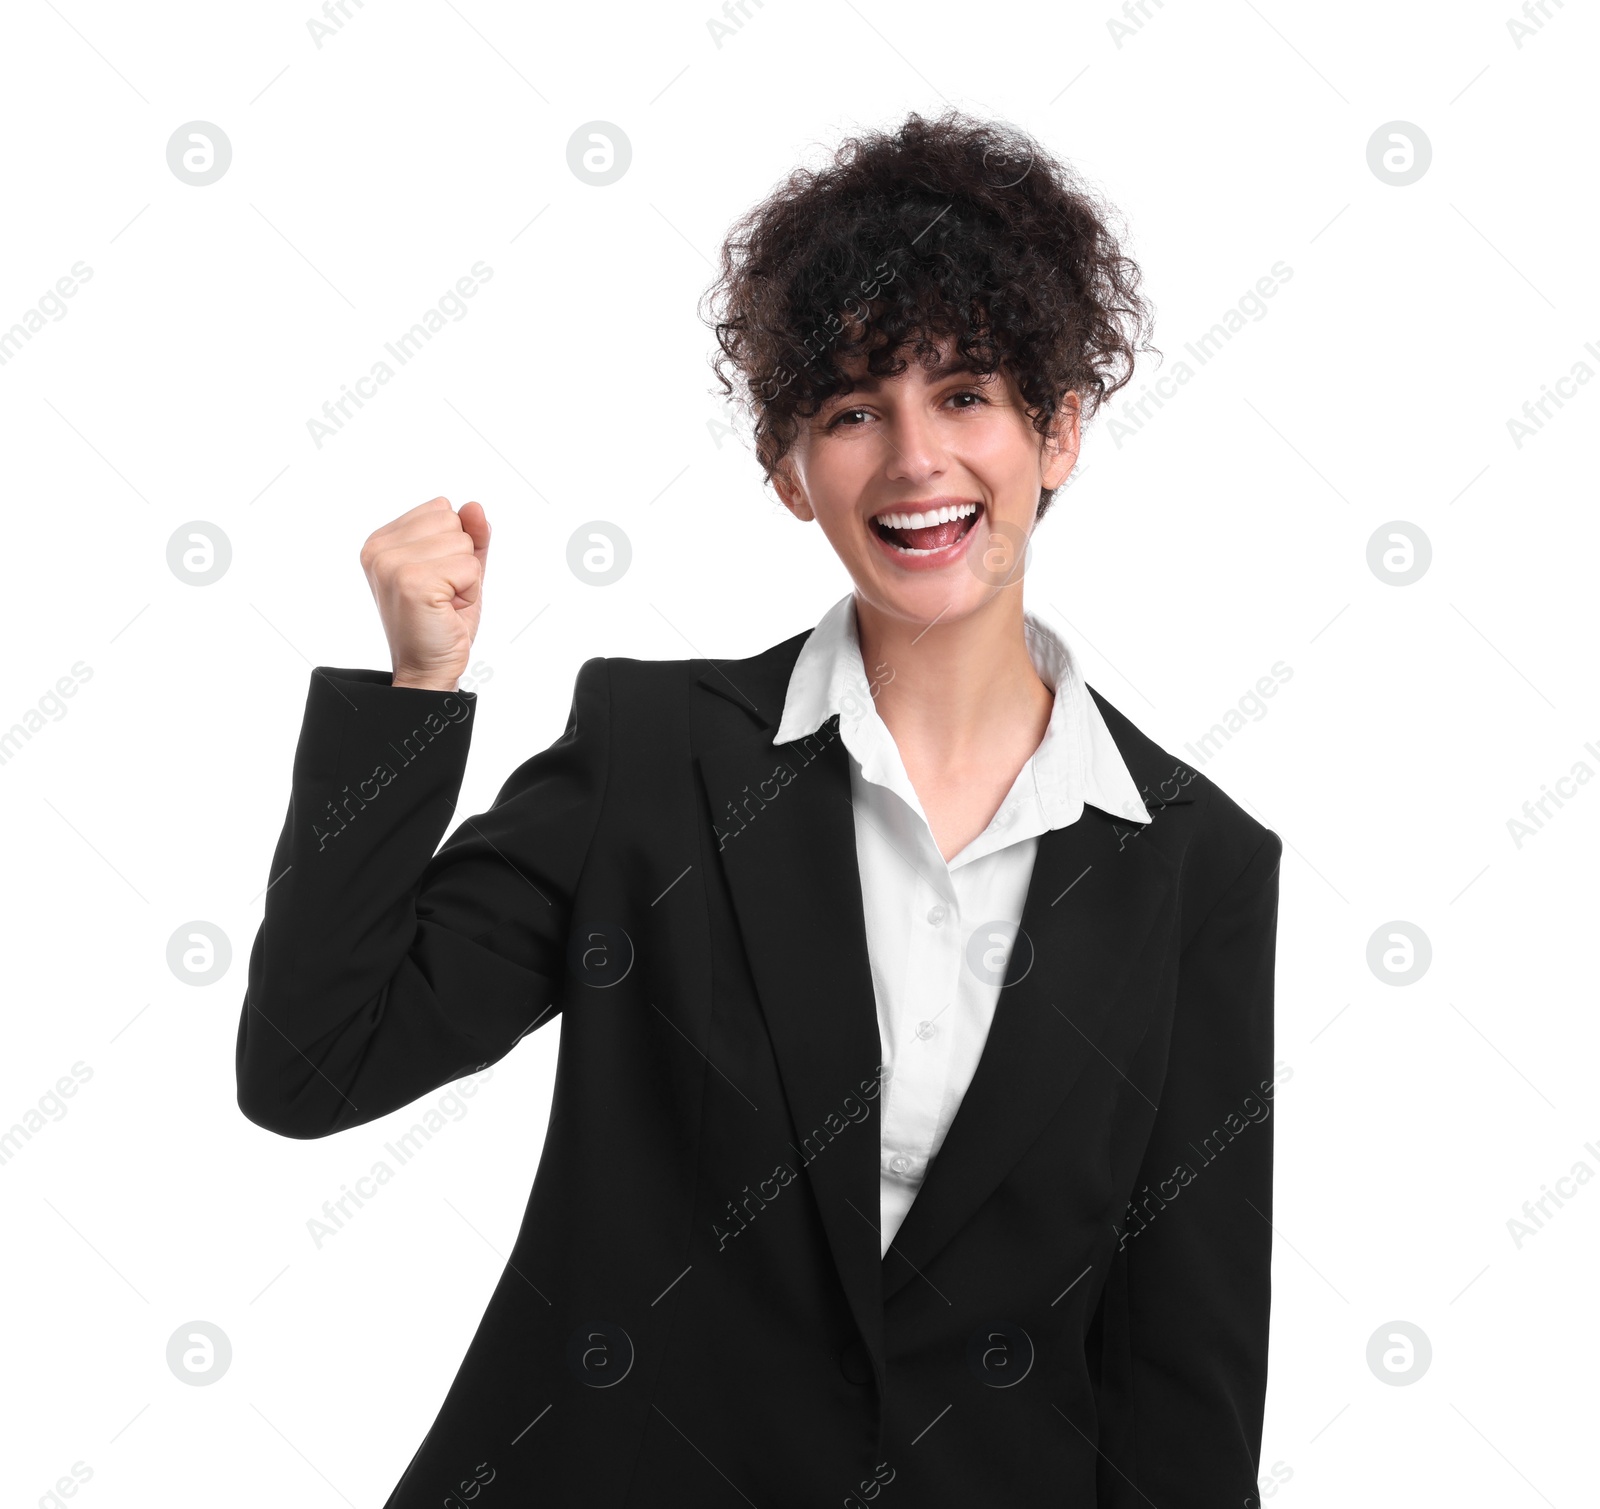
[1227,534]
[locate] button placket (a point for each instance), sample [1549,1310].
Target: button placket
[936,960]
[933,983]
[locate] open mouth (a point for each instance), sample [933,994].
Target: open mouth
[928,531]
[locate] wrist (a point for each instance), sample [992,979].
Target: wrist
[423,683]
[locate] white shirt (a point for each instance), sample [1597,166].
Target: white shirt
[939,933]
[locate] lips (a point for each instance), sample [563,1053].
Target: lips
[924,529]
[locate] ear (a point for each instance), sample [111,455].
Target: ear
[790,493]
[1062,444]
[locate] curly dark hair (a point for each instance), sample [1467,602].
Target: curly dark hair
[951,228]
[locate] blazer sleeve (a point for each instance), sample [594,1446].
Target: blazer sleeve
[1184,1372]
[381,969]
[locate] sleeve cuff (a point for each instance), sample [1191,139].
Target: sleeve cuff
[356,719]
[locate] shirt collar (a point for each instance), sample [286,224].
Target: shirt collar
[1077,761]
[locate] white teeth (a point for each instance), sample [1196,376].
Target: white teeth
[924,520]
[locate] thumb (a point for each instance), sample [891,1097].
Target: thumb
[476,523]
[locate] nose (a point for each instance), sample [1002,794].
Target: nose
[916,448]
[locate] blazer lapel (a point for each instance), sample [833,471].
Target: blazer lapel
[1092,902]
[787,833]
[787,836]
[1096,894]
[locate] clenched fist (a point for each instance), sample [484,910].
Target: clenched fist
[426,573]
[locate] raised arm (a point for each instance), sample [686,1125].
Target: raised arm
[382,969]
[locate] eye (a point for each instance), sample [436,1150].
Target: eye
[838,419]
[977,395]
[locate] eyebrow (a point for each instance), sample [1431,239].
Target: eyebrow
[871,383]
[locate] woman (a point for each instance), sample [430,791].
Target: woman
[908,1013]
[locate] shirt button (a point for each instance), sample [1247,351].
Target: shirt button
[900,1163]
[925,1030]
[937,914]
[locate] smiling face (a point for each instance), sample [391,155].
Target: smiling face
[926,484]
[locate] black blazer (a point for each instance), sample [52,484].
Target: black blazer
[695,1311]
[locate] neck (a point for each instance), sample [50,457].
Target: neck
[961,687]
